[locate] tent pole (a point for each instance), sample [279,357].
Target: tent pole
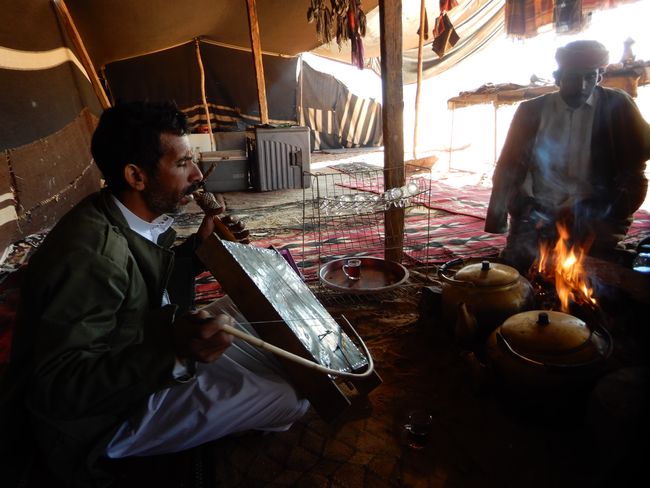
[423,14]
[390,29]
[256,48]
[204,98]
[301,114]
[71,29]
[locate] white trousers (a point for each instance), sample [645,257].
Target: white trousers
[243,390]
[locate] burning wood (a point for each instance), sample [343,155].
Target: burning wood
[563,264]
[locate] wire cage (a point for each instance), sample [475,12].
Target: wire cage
[344,216]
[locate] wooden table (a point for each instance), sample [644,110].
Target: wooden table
[500,95]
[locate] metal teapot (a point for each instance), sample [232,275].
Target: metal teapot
[480,296]
[544,350]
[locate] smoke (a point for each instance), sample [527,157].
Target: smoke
[564,193]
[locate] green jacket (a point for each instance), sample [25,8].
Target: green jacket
[92,341]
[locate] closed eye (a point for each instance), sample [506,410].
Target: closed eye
[183,162]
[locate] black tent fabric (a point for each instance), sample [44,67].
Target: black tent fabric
[230,82]
[156,76]
[337,117]
[230,86]
[44,86]
[48,110]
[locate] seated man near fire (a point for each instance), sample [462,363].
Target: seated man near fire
[575,157]
[104,365]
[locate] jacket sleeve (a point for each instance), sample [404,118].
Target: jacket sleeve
[512,166]
[96,351]
[630,134]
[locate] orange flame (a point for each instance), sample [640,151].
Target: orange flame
[564,264]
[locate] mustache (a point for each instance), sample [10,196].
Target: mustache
[194,187]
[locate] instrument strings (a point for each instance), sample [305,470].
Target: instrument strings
[321,337]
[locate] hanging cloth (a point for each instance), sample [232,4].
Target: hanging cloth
[444,36]
[568,18]
[356,21]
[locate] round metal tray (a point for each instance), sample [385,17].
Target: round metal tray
[377,275]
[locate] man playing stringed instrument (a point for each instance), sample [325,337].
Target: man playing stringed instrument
[104,364]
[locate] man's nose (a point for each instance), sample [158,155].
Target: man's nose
[197,175]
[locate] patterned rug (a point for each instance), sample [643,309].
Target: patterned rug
[429,238]
[426,241]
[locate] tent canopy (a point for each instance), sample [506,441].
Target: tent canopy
[113,30]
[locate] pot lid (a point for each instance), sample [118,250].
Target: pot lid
[486,273]
[545,333]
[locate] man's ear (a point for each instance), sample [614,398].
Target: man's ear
[135,177]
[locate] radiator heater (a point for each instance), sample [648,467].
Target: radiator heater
[279,157]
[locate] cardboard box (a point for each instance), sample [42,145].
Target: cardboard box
[231,172]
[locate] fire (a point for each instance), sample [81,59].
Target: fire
[563,263]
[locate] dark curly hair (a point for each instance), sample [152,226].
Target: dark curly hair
[129,133]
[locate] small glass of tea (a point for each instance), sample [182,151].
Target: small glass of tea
[418,429]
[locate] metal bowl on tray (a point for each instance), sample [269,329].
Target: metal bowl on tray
[376,275]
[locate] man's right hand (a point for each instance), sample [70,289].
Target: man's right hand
[198,336]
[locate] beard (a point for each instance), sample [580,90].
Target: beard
[165,202]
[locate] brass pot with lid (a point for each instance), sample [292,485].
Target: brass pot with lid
[479,296]
[537,348]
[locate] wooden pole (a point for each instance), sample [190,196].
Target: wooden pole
[204,97]
[256,49]
[423,14]
[71,29]
[390,25]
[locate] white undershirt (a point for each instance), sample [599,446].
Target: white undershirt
[149,230]
[562,152]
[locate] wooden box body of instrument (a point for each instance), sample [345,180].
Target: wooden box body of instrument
[284,312]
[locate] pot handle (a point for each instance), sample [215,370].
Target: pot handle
[501,341]
[443,269]
[608,338]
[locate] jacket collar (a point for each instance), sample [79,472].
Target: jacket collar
[155,260]
[116,217]
[149,230]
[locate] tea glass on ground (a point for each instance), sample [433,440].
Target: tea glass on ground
[418,429]
[352,269]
